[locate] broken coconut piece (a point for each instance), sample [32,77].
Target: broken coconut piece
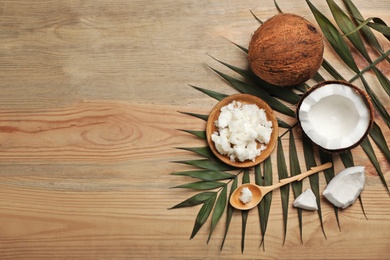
[345,187]
[335,115]
[246,195]
[307,200]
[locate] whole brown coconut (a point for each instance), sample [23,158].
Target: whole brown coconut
[286,50]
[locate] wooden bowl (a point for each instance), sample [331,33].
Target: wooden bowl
[244,99]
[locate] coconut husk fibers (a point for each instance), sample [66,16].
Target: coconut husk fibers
[286,50]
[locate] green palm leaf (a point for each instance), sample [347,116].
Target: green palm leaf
[203,214]
[347,159]
[206,175]
[201,185]
[244,87]
[219,208]
[367,147]
[314,179]
[346,25]
[384,56]
[377,103]
[277,7]
[357,16]
[201,116]
[229,211]
[378,137]
[203,151]
[209,164]
[245,50]
[329,174]
[200,134]
[259,181]
[294,170]
[282,124]
[383,80]
[302,87]
[195,200]
[318,77]
[284,190]
[264,206]
[334,38]
[378,25]
[283,93]
[213,94]
[244,213]
[332,71]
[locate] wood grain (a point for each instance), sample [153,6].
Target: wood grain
[91,94]
[88,131]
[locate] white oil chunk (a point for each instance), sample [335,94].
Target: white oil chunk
[306,200]
[345,187]
[246,195]
[241,128]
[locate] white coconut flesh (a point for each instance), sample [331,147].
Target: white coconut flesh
[334,116]
[345,187]
[246,195]
[306,200]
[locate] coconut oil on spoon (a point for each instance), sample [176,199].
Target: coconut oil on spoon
[258,192]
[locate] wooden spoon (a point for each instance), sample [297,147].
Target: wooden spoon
[258,192]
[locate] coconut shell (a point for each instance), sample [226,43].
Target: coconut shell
[286,50]
[365,98]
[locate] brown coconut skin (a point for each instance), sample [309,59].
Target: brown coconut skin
[286,50]
[365,97]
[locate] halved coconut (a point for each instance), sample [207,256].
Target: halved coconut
[335,115]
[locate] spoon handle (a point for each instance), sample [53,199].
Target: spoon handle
[301,176]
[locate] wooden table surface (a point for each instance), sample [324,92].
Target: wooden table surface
[90,94]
